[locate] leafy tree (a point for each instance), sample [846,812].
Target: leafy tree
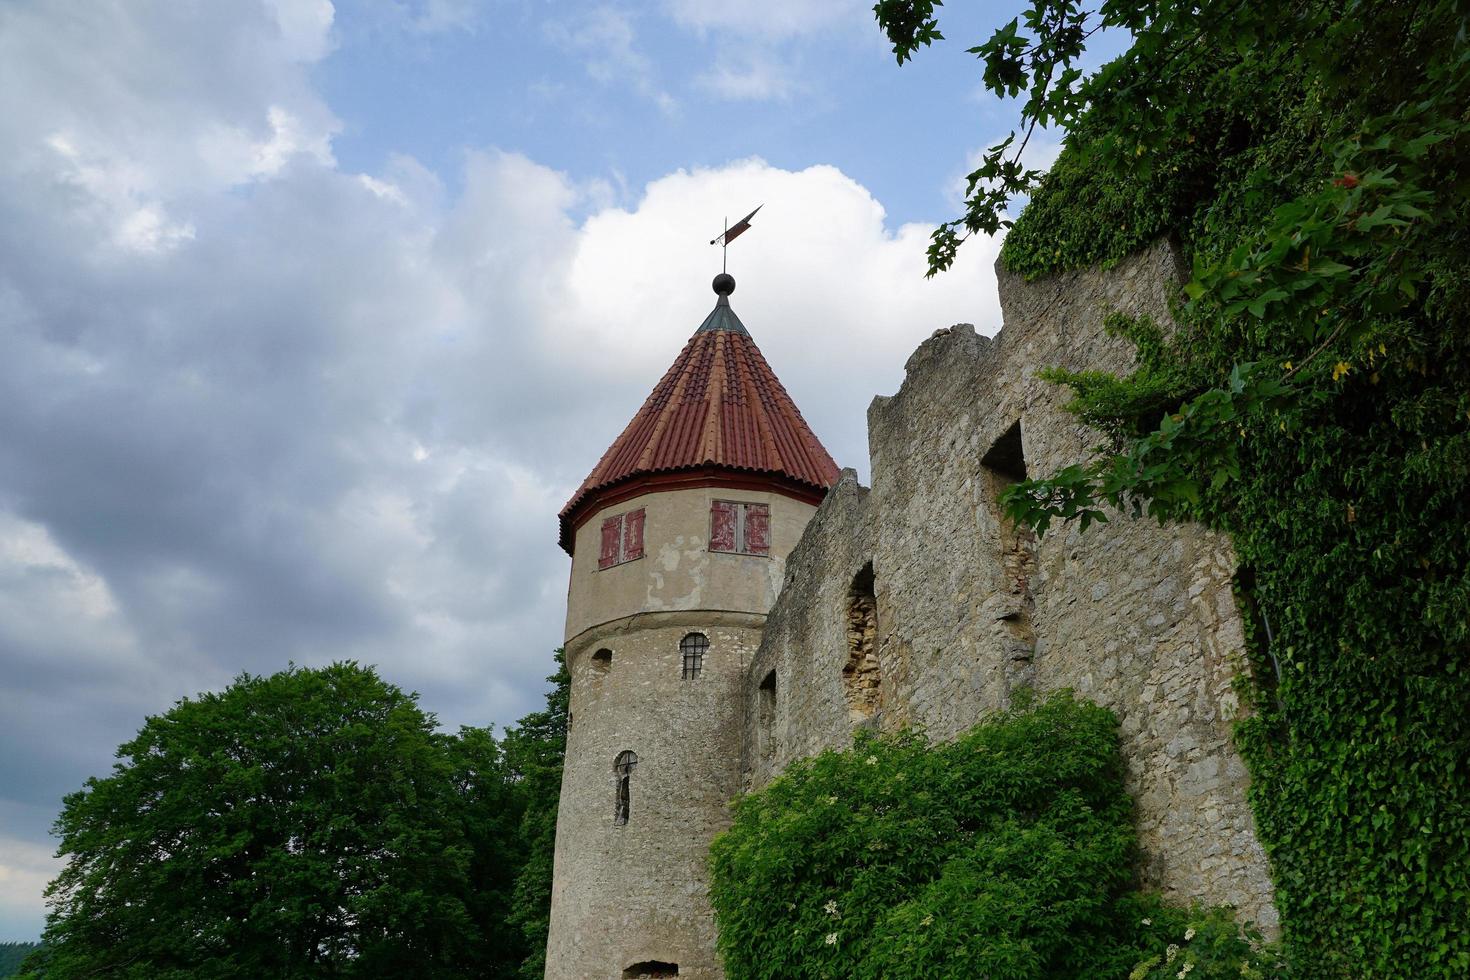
[1309,153]
[535,750]
[1314,401]
[11,956]
[490,808]
[306,824]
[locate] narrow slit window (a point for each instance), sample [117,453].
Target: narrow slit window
[1004,465]
[623,768]
[693,648]
[862,674]
[766,716]
[1013,546]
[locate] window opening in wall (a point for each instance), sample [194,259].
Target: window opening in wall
[693,648]
[622,538]
[766,717]
[1007,457]
[602,661]
[862,676]
[740,528]
[1004,466]
[623,767]
[651,970]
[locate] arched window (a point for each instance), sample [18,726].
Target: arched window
[623,767]
[693,647]
[602,661]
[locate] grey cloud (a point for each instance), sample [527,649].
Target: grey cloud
[337,417]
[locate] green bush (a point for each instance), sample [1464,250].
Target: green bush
[1204,944]
[1008,853]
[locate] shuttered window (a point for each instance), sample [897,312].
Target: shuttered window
[633,535]
[612,533]
[723,518]
[757,529]
[740,528]
[622,539]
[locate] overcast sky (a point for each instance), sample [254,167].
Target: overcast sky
[311,319]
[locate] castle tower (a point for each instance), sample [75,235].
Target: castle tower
[678,541]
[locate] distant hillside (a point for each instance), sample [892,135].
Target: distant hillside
[12,955]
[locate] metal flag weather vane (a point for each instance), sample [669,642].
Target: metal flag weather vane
[732,233]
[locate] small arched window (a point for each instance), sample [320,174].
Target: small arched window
[693,648]
[623,767]
[602,661]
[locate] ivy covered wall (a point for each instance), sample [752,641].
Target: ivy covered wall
[1316,405]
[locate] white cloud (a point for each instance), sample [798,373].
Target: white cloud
[113,197]
[825,287]
[754,76]
[46,590]
[771,18]
[761,46]
[305,27]
[25,868]
[130,110]
[424,18]
[336,415]
[446,15]
[607,41]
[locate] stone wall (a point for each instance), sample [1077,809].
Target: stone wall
[631,898]
[637,892]
[1138,617]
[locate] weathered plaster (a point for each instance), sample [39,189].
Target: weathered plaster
[677,570]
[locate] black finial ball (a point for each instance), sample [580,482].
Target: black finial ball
[724,284]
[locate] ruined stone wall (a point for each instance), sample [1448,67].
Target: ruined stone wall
[1135,616]
[805,645]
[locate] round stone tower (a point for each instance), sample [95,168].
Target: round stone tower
[678,541]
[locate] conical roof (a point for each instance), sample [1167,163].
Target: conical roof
[718,417]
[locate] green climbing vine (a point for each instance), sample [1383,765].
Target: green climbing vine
[1313,400]
[1314,403]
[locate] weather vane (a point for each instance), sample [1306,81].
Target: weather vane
[730,234]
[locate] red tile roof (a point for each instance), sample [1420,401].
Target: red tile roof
[719,415]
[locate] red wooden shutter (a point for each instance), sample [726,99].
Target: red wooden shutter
[612,530]
[757,529]
[633,534]
[722,526]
